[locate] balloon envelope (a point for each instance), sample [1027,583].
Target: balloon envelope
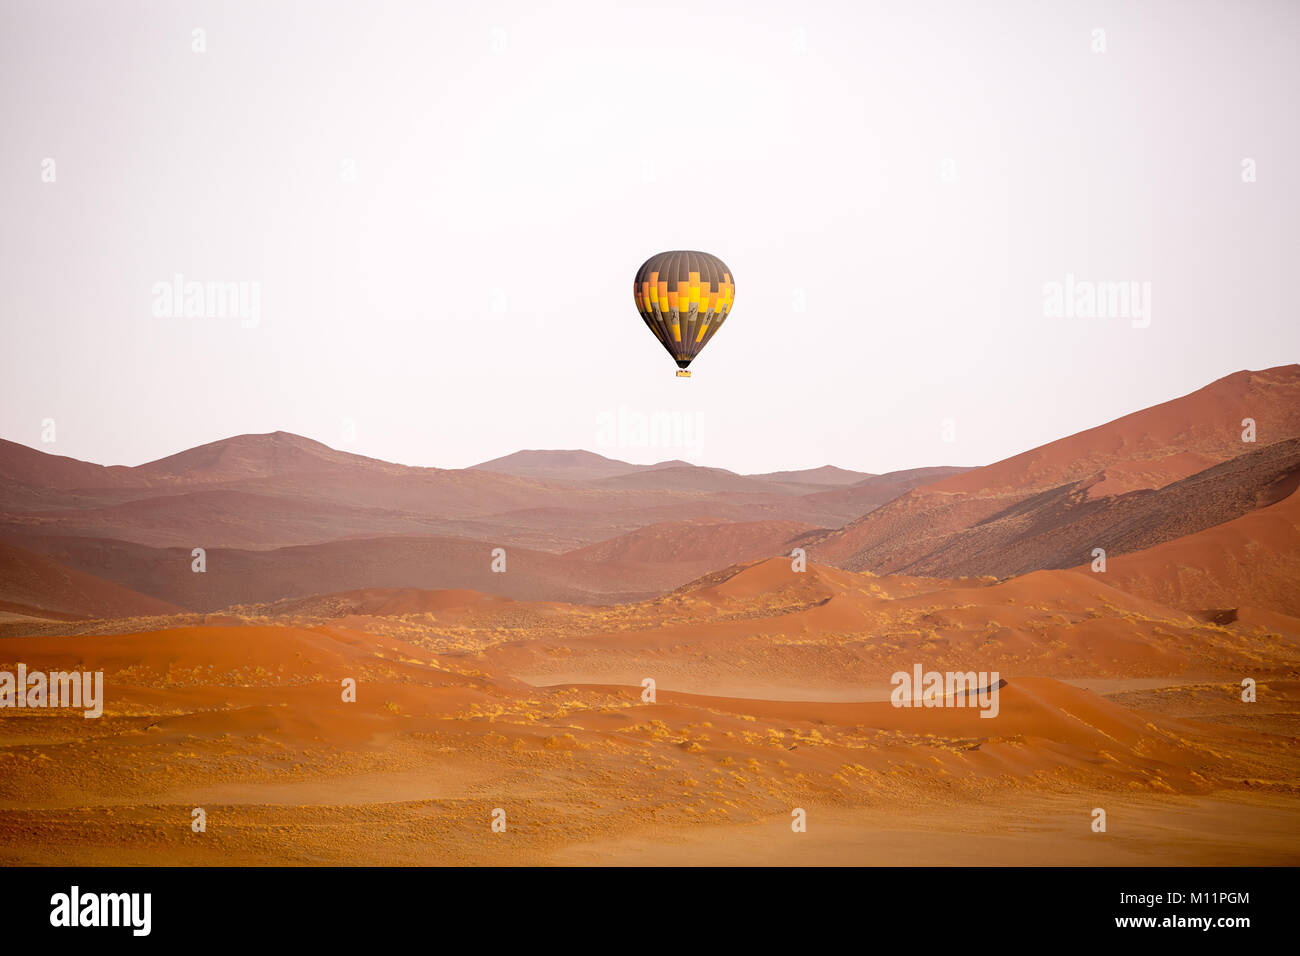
[684,297]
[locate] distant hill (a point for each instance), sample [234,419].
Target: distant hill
[285,517]
[279,490]
[825,475]
[575,465]
[271,455]
[691,478]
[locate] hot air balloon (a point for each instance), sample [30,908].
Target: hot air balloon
[684,297]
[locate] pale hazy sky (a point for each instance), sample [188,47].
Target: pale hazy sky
[444,205]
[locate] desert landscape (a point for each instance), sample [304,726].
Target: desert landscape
[563,659]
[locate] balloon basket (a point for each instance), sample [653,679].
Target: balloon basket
[683,373]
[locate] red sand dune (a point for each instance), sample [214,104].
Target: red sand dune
[711,543]
[385,602]
[1253,561]
[1058,528]
[236,576]
[629,567]
[772,694]
[872,492]
[763,629]
[1148,449]
[32,583]
[248,722]
[1158,445]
